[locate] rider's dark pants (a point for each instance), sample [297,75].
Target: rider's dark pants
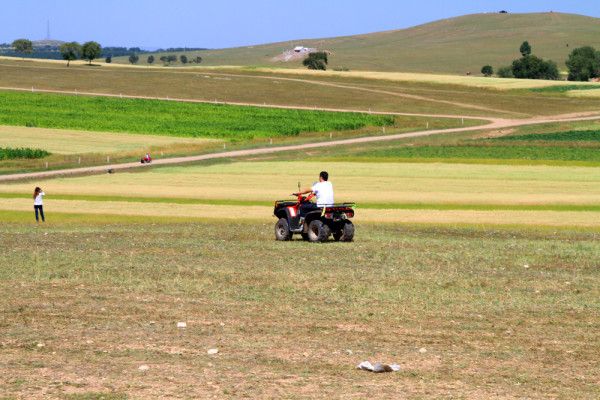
[305,208]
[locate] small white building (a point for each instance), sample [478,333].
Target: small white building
[300,49]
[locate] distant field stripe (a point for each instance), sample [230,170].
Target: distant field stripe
[169,118]
[370,206]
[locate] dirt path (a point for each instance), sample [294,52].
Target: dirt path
[494,124]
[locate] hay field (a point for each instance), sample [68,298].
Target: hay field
[374,183]
[63,141]
[385,192]
[443,79]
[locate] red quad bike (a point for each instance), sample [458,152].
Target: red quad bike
[317,224]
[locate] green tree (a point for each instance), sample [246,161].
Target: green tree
[183,58]
[134,58]
[91,51]
[23,46]
[108,59]
[171,58]
[317,60]
[505,72]
[487,70]
[70,51]
[150,59]
[525,49]
[583,64]
[532,67]
[163,59]
[198,59]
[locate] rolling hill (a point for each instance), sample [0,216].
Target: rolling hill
[455,45]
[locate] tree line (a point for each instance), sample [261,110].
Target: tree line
[583,64]
[90,51]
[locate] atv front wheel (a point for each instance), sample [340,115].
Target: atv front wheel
[282,230]
[318,231]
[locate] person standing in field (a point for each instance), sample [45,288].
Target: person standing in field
[38,204]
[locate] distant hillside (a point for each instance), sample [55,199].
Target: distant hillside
[455,45]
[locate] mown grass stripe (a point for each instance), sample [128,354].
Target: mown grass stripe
[372,206]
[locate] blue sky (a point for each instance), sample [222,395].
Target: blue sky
[228,23]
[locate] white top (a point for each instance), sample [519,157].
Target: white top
[324,192]
[38,199]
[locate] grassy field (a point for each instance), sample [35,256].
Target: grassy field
[409,93]
[565,143]
[172,118]
[385,192]
[70,142]
[87,301]
[454,45]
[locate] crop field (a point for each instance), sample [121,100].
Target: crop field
[413,93]
[9,153]
[172,118]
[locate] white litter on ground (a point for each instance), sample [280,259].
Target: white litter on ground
[181,325]
[378,367]
[212,351]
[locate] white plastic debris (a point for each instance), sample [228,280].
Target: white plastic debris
[143,368]
[422,350]
[41,345]
[212,351]
[182,325]
[378,367]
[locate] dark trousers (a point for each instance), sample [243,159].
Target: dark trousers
[40,210]
[305,208]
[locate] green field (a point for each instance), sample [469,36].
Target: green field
[565,136]
[455,45]
[11,153]
[172,118]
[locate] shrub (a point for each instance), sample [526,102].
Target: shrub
[505,72]
[134,58]
[316,61]
[108,59]
[487,70]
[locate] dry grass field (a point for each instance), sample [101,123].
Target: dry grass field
[62,141]
[408,93]
[385,192]
[468,313]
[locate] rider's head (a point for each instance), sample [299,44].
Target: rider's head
[323,176]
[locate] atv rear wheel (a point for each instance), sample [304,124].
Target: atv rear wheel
[347,232]
[282,230]
[318,231]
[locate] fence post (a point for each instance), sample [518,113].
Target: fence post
[108,159]
[79,161]
[427,124]
[46,164]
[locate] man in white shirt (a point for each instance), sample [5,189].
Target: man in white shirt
[323,190]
